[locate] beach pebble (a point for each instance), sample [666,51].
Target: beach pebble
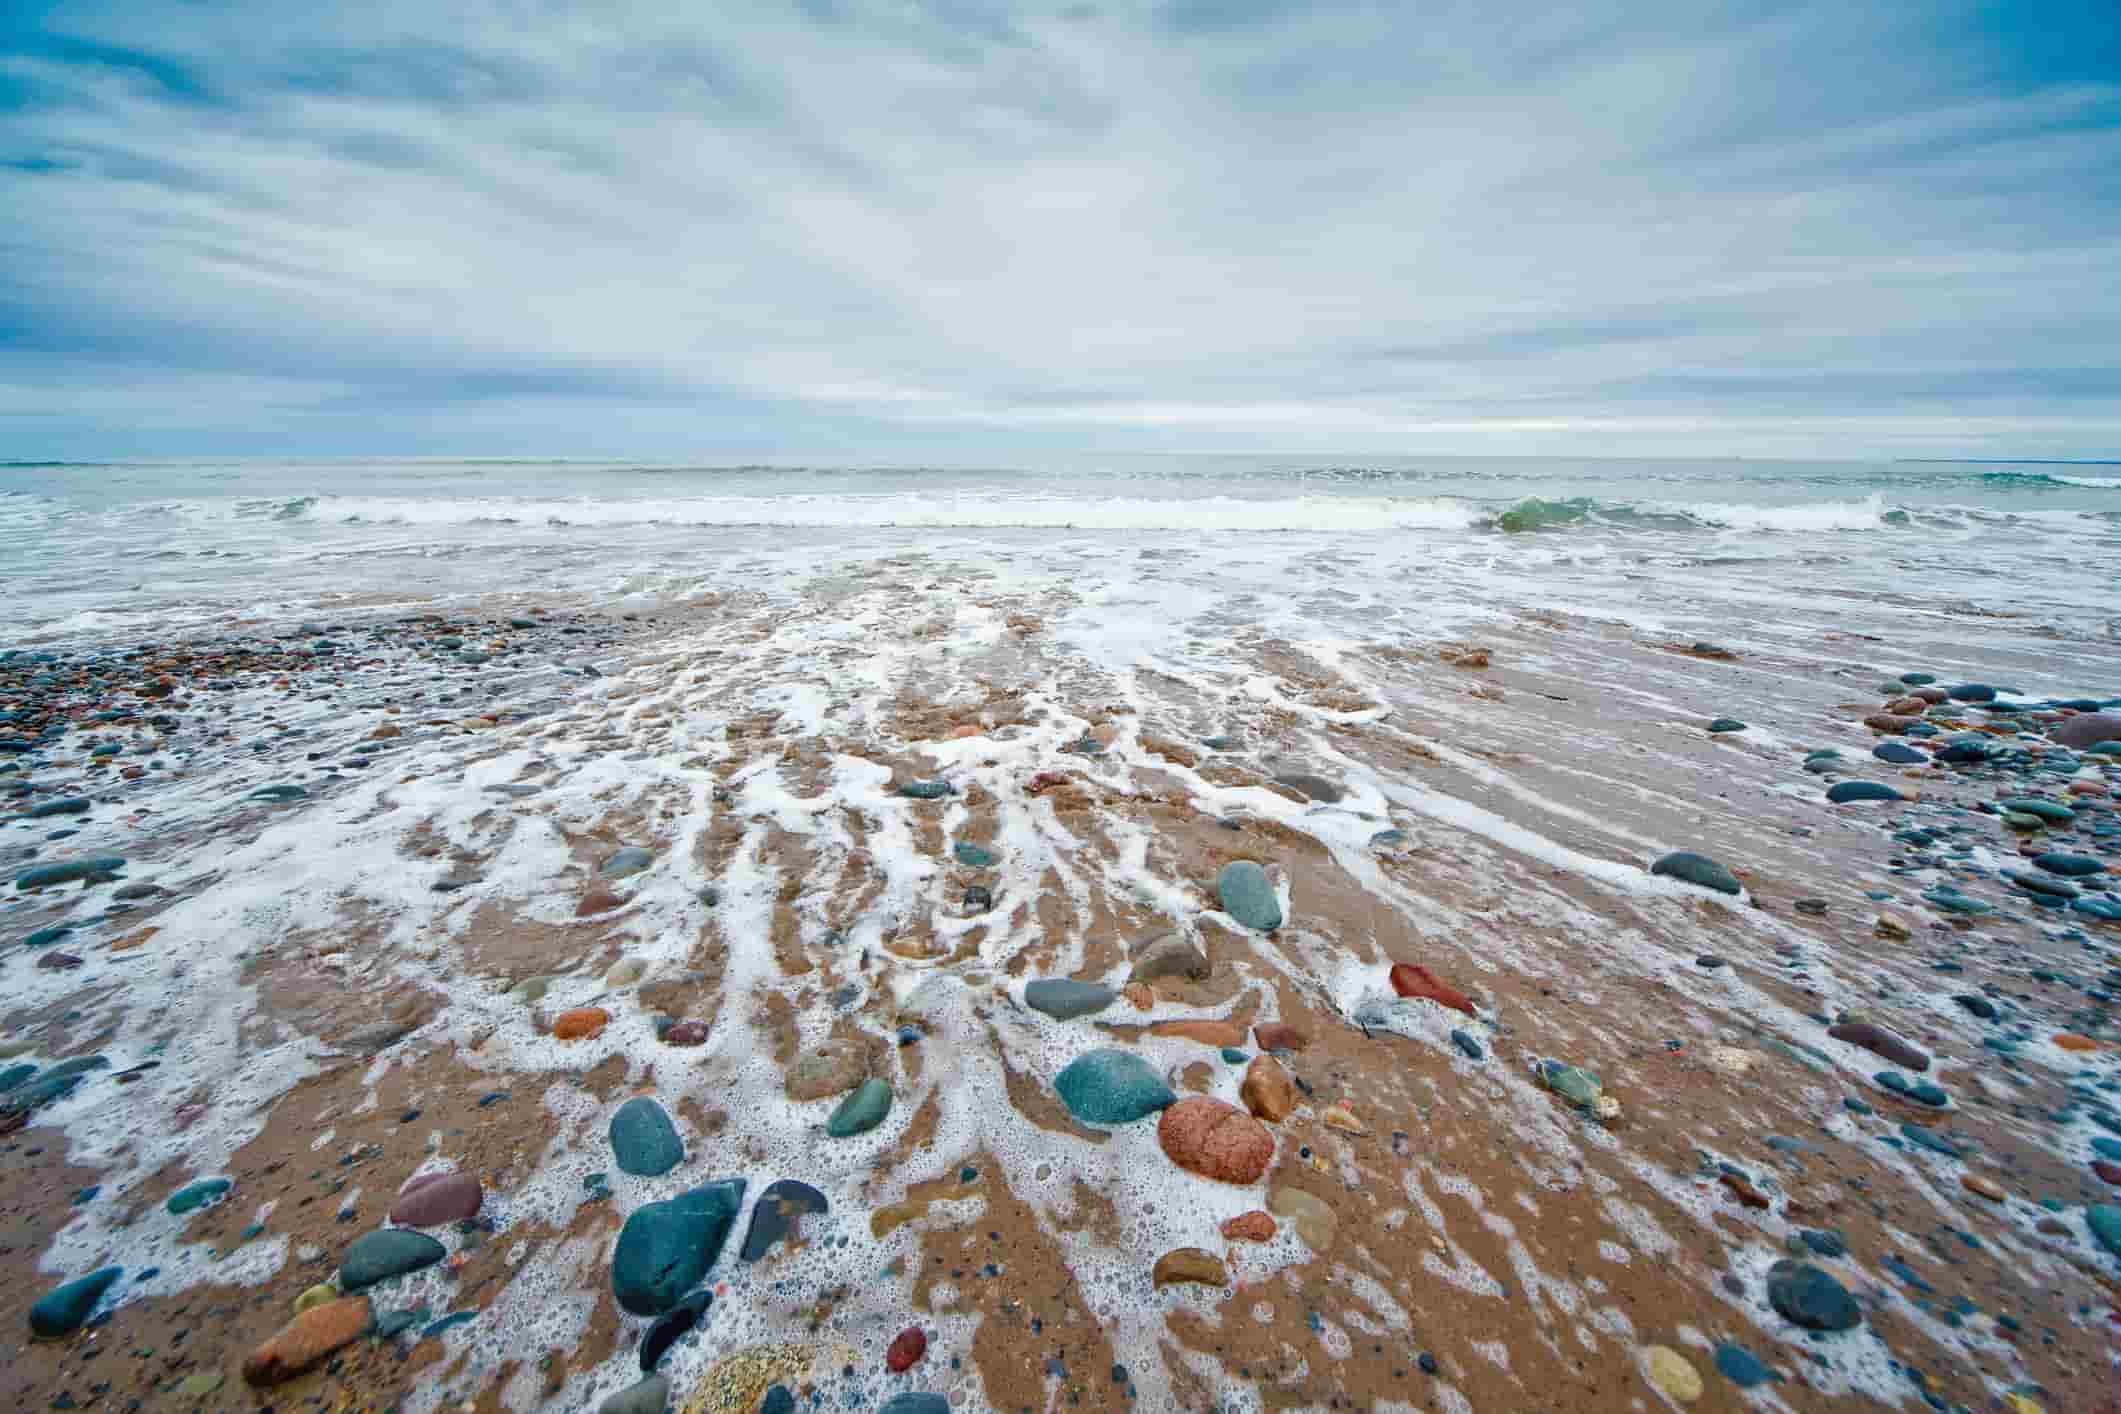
[630,860]
[307,1341]
[2104,1222]
[643,1140]
[1697,869]
[665,1248]
[915,1402]
[650,1396]
[1985,1187]
[1168,955]
[671,1326]
[861,1111]
[1254,1226]
[686,1033]
[437,1199]
[1671,1373]
[1215,1140]
[1741,1366]
[1267,1090]
[1064,1000]
[197,1195]
[580,1024]
[1412,980]
[777,1214]
[905,1350]
[2087,729]
[1248,896]
[1190,1264]
[62,1309]
[1807,1296]
[1219,1034]
[1311,787]
[385,1253]
[1312,1217]
[1849,792]
[829,1068]
[1881,1042]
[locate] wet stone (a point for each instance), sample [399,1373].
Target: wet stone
[666,1248]
[1248,896]
[777,1214]
[671,1326]
[1064,1000]
[1111,1086]
[1807,1296]
[63,1308]
[1697,869]
[385,1253]
[861,1111]
[643,1140]
[628,861]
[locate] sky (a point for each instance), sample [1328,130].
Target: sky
[926,227]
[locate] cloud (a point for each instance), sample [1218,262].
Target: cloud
[634,227]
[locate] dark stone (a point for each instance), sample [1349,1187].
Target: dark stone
[385,1253]
[1248,895]
[64,1308]
[1897,754]
[1467,1045]
[672,1324]
[1726,724]
[1112,1087]
[915,1403]
[1807,1296]
[666,1248]
[777,1401]
[45,875]
[927,790]
[1064,1000]
[1741,1367]
[1697,869]
[1846,792]
[1880,1042]
[776,1214]
[861,1111]
[643,1139]
[1311,787]
[972,856]
[650,1396]
[197,1195]
[1978,1006]
[2074,866]
[1971,692]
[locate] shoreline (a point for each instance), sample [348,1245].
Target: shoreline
[754,749]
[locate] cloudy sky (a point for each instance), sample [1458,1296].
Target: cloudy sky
[897,227]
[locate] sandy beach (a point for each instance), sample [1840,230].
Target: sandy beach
[764,866]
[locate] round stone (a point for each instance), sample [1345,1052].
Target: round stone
[1671,1373]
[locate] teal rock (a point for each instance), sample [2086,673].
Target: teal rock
[1573,1083]
[1949,899]
[1848,792]
[1112,1087]
[630,860]
[193,1196]
[650,1396]
[666,1248]
[1741,1366]
[280,794]
[385,1253]
[1219,743]
[1726,724]
[1233,1056]
[46,809]
[64,1308]
[926,790]
[45,875]
[1064,1000]
[2104,1221]
[861,1111]
[1921,1138]
[2074,866]
[2046,810]
[915,1402]
[15,1074]
[1697,869]
[973,857]
[1248,896]
[644,1140]
[1918,679]
[1806,1296]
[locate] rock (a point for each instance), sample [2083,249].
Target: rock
[1909,706]
[1887,926]
[1248,895]
[625,972]
[1267,1090]
[44,875]
[1190,1264]
[973,857]
[193,1196]
[650,1396]
[201,1385]
[307,1341]
[1467,1046]
[1215,1140]
[666,1248]
[1311,787]
[599,899]
[1890,722]
[630,860]
[2105,1224]
[643,1140]
[2086,730]
[779,1212]
[913,1402]
[1254,1226]
[1168,955]
[686,1033]
[2074,866]
[1219,1034]
[1985,1187]
[1741,1366]
[385,1253]
[2108,1172]
[436,1199]
[1411,980]
[1138,996]
[905,1350]
[829,1068]
[1849,792]
[1064,1000]
[1274,1036]
[1880,1042]
[1743,1190]
[317,1295]
[1898,755]
[1670,1372]
[671,1326]
[582,1023]
[2047,810]
[1971,692]
[1313,1219]
[1697,869]
[1112,1087]
[926,790]
[1807,1296]
[861,1111]
[61,1310]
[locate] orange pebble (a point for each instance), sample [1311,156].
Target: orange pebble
[2071,1041]
[581,1023]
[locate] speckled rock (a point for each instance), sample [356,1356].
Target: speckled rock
[829,1068]
[1112,1087]
[643,1140]
[1190,1264]
[307,1341]
[1215,1140]
[1312,1217]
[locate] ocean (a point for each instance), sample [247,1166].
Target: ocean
[104,551]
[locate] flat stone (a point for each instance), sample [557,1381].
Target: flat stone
[1112,1086]
[307,1341]
[1697,869]
[1254,1226]
[1064,1000]
[581,1023]
[666,1248]
[1881,1042]
[1168,955]
[974,857]
[650,1396]
[671,1326]
[437,1199]
[643,1140]
[193,1196]
[1220,1034]
[630,860]
[686,1033]
[2086,730]
[777,1214]
[62,1309]
[44,875]
[385,1253]
[861,1111]
[1412,980]
[1277,1036]
[1849,792]
[1190,1264]
[1807,1296]
[1248,896]
[1671,1373]
[1311,787]
[2074,866]
[1741,1366]
[1267,1090]
[829,1068]
[927,790]
[1312,1217]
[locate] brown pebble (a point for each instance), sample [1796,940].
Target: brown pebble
[1744,1191]
[307,1340]
[1267,1091]
[906,1350]
[1215,1140]
[599,899]
[1254,1226]
[1277,1036]
[1190,1264]
[580,1024]
[1208,1033]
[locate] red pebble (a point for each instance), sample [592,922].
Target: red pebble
[1410,980]
[907,1350]
[2108,1172]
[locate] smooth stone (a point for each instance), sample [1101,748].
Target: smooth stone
[1215,1140]
[2036,884]
[915,1402]
[1248,896]
[1848,792]
[926,790]
[2046,810]
[1697,869]
[1977,1005]
[2104,1221]
[1112,1087]
[308,1340]
[385,1253]
[643,1140]
[1897,754]
[671,1326]
[1971,692]
[1726,724]
[1064,1000]
[1312,1217]
[197,1195]
[1279,1036]
[317,1295]
[861,1111]
[65,1307]
[973,856]
[1918,679]
[1880,1042]
[1267,1090]
[666,1248]
[580,1023]
[1168,955]
[686,1033]
[829,1068]
[905,1350]
[625,972]
[1807,1296]
[280,794]
[1741,1366]
[47,874]
[46,809]
[650,1396]
[1467,1046]
[630,860]
[2087,731]
[1413,980]
[1671,1373]
[1311,787]
[1921,1138]
[776,1214]
[1190,1264]
[2074,866]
